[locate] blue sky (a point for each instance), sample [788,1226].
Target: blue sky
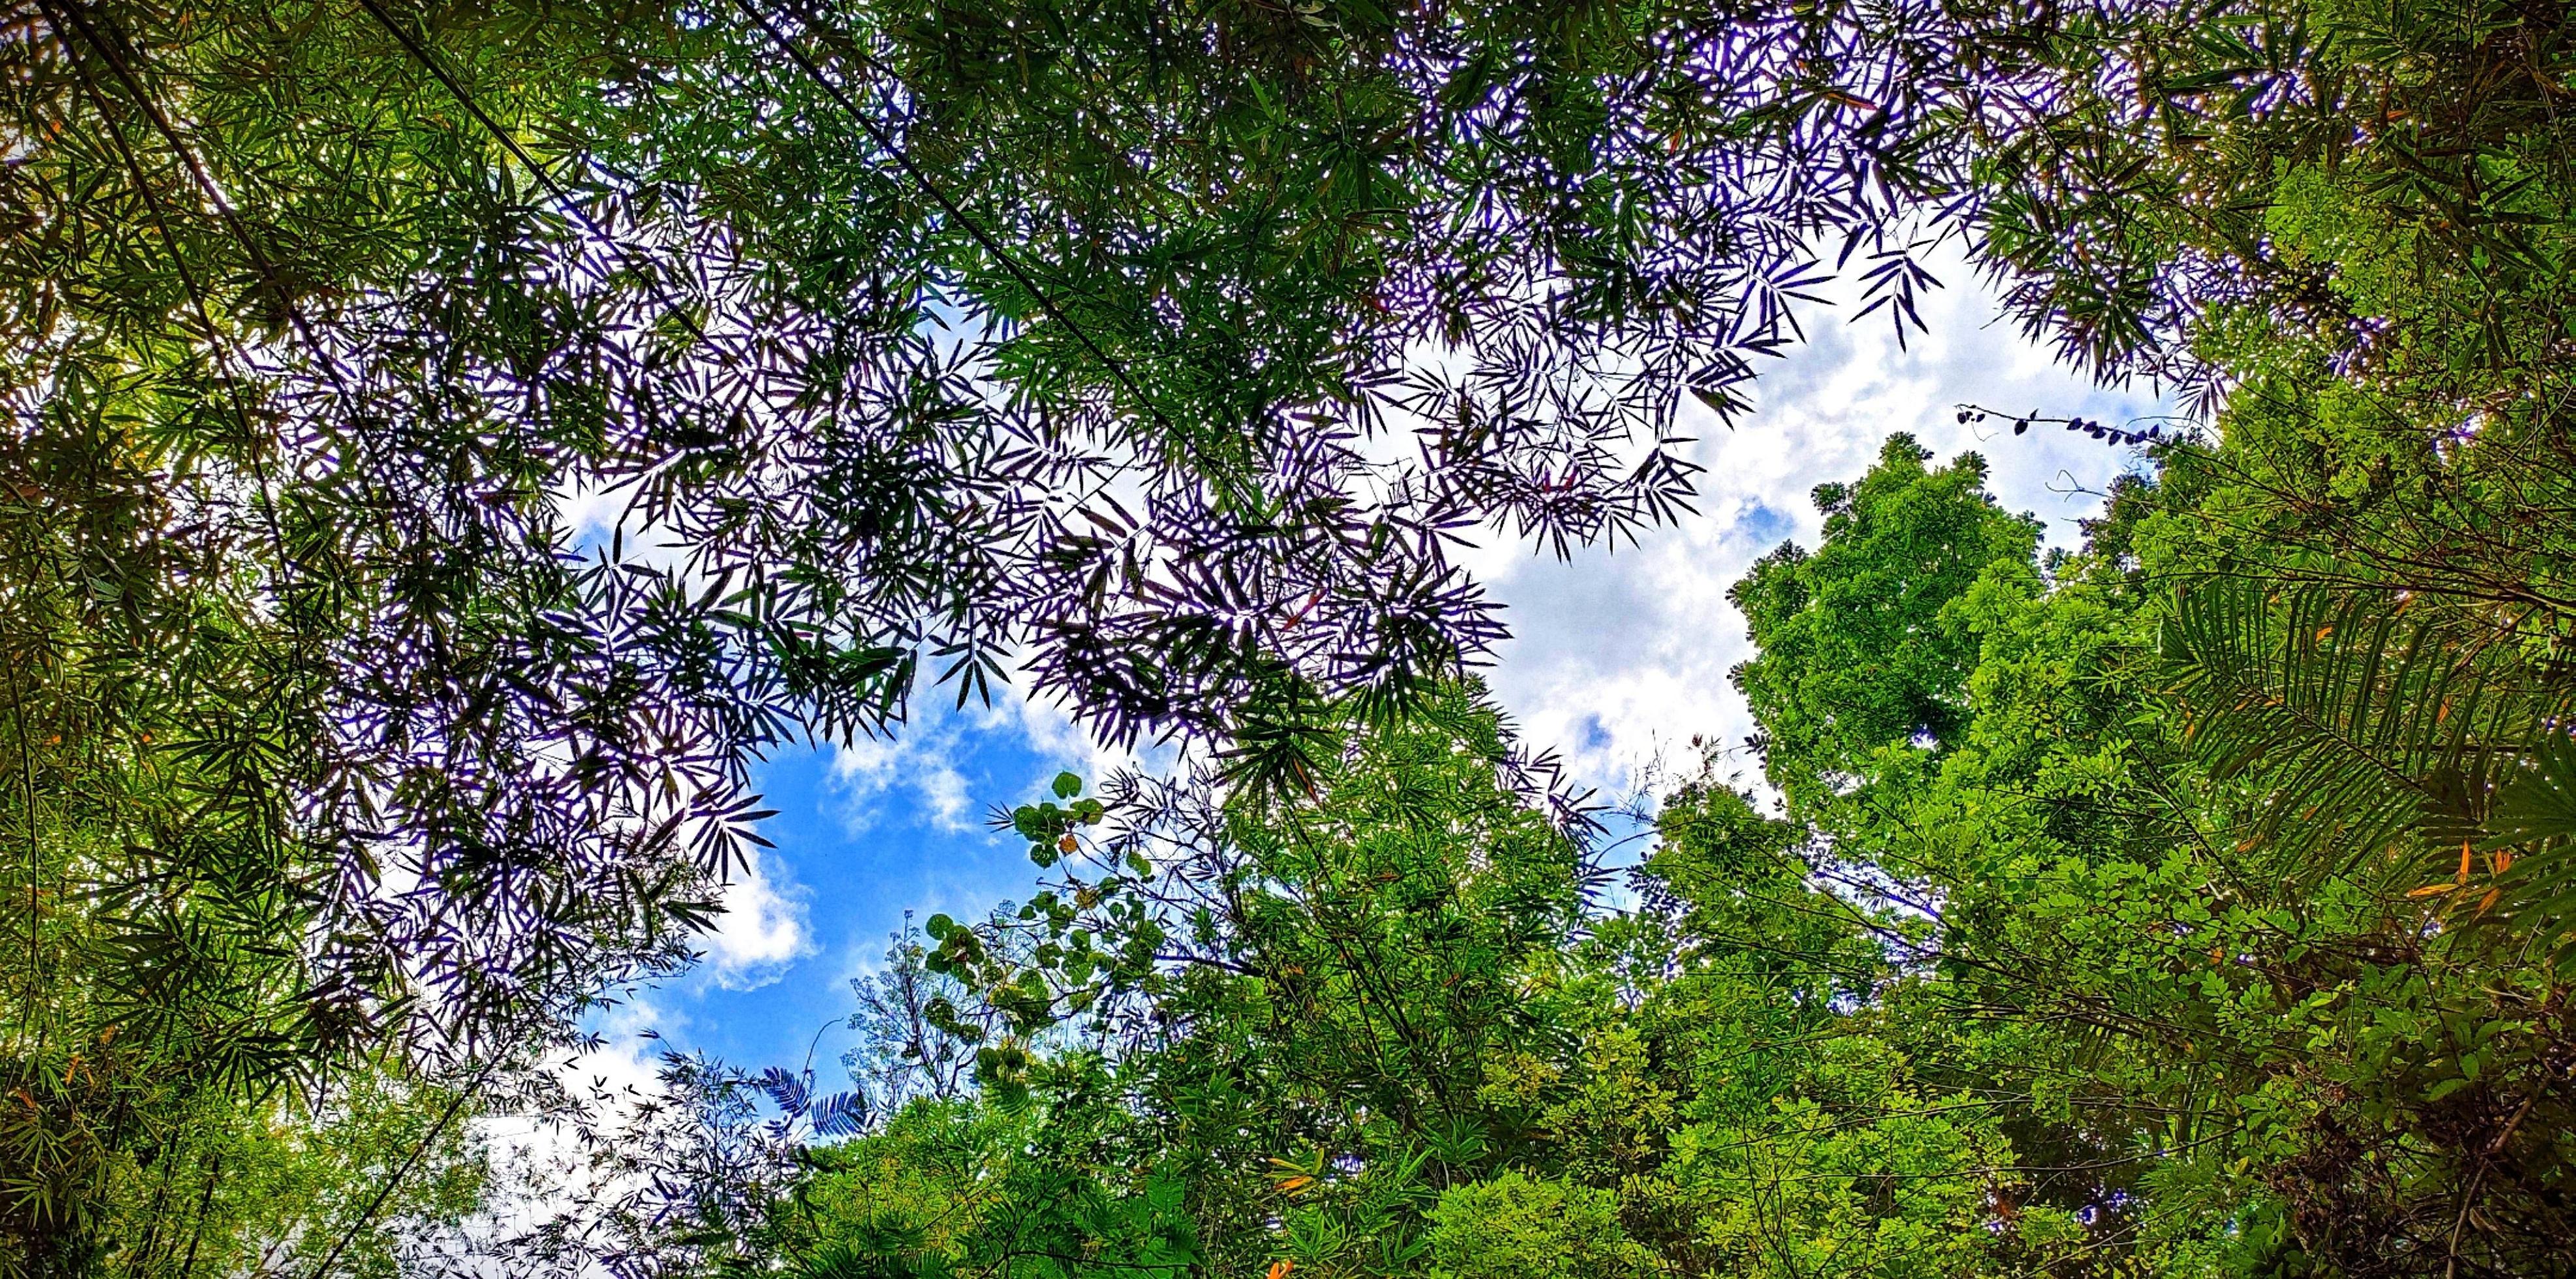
[1617,661]
[864,834]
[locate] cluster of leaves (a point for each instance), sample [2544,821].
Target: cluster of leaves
[185,1084]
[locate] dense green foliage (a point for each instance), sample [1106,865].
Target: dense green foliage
[2195,901]
[2191,903]
[2018,982]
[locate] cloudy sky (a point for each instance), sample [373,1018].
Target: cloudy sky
[1617,661]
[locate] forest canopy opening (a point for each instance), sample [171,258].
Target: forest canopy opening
[2195,900]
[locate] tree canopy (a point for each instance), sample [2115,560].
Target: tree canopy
[449,446]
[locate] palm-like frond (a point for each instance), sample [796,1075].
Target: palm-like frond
[2352,725]
[2533,823]
[2349,724]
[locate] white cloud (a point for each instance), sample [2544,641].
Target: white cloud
[763,929]
[872,773]
[1051,733]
